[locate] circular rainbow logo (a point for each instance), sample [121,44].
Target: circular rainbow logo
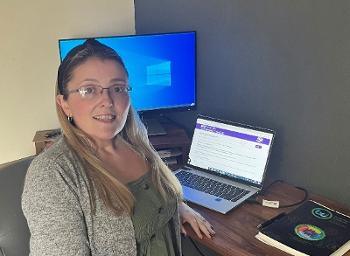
[309,232]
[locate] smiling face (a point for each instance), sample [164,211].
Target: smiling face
[103,116]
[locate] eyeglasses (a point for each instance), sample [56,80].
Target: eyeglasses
[91,92]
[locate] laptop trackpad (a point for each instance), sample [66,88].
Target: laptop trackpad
[207,200]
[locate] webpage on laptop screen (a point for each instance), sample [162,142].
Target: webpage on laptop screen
[235,151]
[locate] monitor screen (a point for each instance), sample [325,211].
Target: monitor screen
[161,67]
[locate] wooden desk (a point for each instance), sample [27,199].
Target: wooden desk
[235,231]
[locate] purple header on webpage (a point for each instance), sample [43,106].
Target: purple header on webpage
[252,138]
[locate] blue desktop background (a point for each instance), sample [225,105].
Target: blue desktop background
[161,67]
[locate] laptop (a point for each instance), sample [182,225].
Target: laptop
[226,165]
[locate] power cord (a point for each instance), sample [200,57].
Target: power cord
[2,252]
[276,204]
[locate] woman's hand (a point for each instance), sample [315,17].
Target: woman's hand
[199,224]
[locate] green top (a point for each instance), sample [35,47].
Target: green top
[151,217]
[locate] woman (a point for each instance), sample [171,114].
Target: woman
[102,189]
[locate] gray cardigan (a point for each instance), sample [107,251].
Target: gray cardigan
[56,204]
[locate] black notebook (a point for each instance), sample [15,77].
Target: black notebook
[311,229]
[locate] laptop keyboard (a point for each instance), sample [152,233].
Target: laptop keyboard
[211,186]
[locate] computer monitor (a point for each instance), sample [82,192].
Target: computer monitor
[161,67]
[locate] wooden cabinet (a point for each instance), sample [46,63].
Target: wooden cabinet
[172,147]
[44,139]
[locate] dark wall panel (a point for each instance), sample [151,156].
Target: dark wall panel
[279,64]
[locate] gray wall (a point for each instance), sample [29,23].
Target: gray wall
[282,64]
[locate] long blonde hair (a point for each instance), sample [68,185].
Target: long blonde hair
[112,192]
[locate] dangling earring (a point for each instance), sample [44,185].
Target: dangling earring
[70,119]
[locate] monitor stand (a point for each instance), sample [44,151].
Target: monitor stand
[154,127]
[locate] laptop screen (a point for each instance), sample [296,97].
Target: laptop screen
[233,150]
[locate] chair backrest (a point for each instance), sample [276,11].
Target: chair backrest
[14,232]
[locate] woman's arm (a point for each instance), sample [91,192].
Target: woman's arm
[199,224]
[53,212]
